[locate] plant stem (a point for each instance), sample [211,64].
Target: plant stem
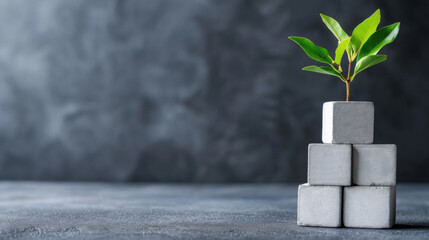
[348,82]
[348,90]
[348,74]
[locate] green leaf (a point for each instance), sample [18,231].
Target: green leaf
[362,32]
[367,62]
[340,50]
[378,40]
[315,52]
[324,70]
[335,27]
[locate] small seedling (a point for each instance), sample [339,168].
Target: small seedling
[362,46]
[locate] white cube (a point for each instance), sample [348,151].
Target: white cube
[374,164]
[348,122]
[369,207]
[330,164]
[319,206]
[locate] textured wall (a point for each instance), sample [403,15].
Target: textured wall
[195,90]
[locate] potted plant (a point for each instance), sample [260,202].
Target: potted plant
[349,122]
[351,182]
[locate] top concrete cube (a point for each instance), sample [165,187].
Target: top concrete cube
[348,122]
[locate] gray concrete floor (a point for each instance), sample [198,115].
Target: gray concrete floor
[40,210]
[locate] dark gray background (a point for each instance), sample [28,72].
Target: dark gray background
[195,90]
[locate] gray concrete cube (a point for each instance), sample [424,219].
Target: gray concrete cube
[319,206]
[330,164]
[374,164]
[348,122]
[369,207]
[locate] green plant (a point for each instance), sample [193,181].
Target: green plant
[362,46]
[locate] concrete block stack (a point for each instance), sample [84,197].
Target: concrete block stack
[351,182]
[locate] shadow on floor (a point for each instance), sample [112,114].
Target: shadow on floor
[419,226]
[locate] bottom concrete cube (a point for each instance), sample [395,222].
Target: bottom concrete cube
[319,206]
[369,207]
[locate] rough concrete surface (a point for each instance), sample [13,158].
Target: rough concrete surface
[319,205]
[330,164]
[348,122]
[32,210]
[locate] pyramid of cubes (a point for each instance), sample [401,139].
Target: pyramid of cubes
[351,181]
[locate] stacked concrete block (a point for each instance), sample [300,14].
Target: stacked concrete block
[351,182]
[320,205]
[330,164]
[369,206]
[374,164]
[348,122]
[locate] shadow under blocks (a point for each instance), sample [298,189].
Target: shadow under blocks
[351,181]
